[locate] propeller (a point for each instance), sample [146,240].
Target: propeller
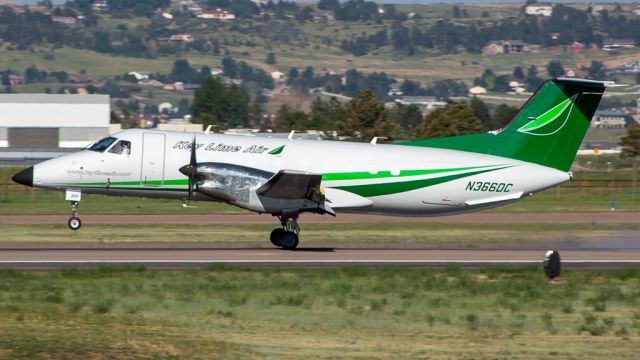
[191,170]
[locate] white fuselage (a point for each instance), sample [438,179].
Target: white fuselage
[357,177]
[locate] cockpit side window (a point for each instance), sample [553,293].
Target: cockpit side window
[121,147]
[103,144]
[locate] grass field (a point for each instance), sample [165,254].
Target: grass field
[588,192]
[435,234]
[346,313]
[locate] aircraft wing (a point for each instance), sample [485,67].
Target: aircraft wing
[292,185]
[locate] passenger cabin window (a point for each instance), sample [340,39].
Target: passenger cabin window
[103,144]
[121,147]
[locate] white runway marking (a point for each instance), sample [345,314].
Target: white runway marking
[152,261]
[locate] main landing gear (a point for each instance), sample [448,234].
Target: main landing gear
[287,236]
[74,221]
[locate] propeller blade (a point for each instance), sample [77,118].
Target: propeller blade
[191,170]
[193,161]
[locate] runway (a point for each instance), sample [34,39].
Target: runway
[40,258]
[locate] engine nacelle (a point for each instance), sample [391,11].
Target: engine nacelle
[230,183]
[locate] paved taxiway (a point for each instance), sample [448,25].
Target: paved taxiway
[82,256]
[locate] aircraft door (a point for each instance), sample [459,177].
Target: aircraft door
[152,159]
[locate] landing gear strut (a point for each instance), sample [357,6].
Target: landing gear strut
[74,221]
[287,236]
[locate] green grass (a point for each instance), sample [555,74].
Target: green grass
[434,234]
[346,313]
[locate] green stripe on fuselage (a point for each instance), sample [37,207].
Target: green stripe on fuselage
[363,175]
[404,186]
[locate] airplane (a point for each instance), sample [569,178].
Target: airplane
[287,177]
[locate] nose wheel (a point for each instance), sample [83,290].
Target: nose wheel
[74,221]
[287,236]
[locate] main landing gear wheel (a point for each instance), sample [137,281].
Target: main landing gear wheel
[287,236]
[289,240]
[74,223]
[276,235]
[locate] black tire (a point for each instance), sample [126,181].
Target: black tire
[276,235]
[289,240]
[74,223]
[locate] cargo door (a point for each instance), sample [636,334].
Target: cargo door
[153,146]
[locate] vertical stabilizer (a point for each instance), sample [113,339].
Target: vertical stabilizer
[547,130]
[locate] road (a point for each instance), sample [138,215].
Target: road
[612,217]
[50,257]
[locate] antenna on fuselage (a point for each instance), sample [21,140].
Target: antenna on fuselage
[375,139]
[208,130]
[290,137]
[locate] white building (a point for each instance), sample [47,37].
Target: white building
[425,102]
[52,121]
[477,90]
[539,9]
[217,14]
[609,120]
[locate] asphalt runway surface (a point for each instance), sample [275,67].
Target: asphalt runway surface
[51,257]
[192,256]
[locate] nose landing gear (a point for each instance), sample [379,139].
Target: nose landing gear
[287,236]
[74,196]
[74,221]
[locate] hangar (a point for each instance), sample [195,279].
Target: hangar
[52,120]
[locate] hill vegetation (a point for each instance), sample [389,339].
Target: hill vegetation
[337,47]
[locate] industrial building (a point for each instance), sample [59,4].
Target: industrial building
[52,121]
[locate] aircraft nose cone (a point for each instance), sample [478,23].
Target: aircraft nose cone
[24,177]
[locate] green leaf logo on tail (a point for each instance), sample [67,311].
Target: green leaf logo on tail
[277,151]
[551,121]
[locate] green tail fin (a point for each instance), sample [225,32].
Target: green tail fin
[547,130]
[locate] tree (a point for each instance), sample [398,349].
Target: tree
[102,42]
[229,67]
[329,4]
[367,117]
[630,144]
[502,116]
[32,74]
[456,12]
[218,104]
[596,70]
[288,119]
[407,116]
[455,119]
[555,69]
[481,111]
[293,75]
[518,73]
[271,58]
[326,115]
[183,72]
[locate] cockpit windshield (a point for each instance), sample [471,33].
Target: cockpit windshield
[102,145]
